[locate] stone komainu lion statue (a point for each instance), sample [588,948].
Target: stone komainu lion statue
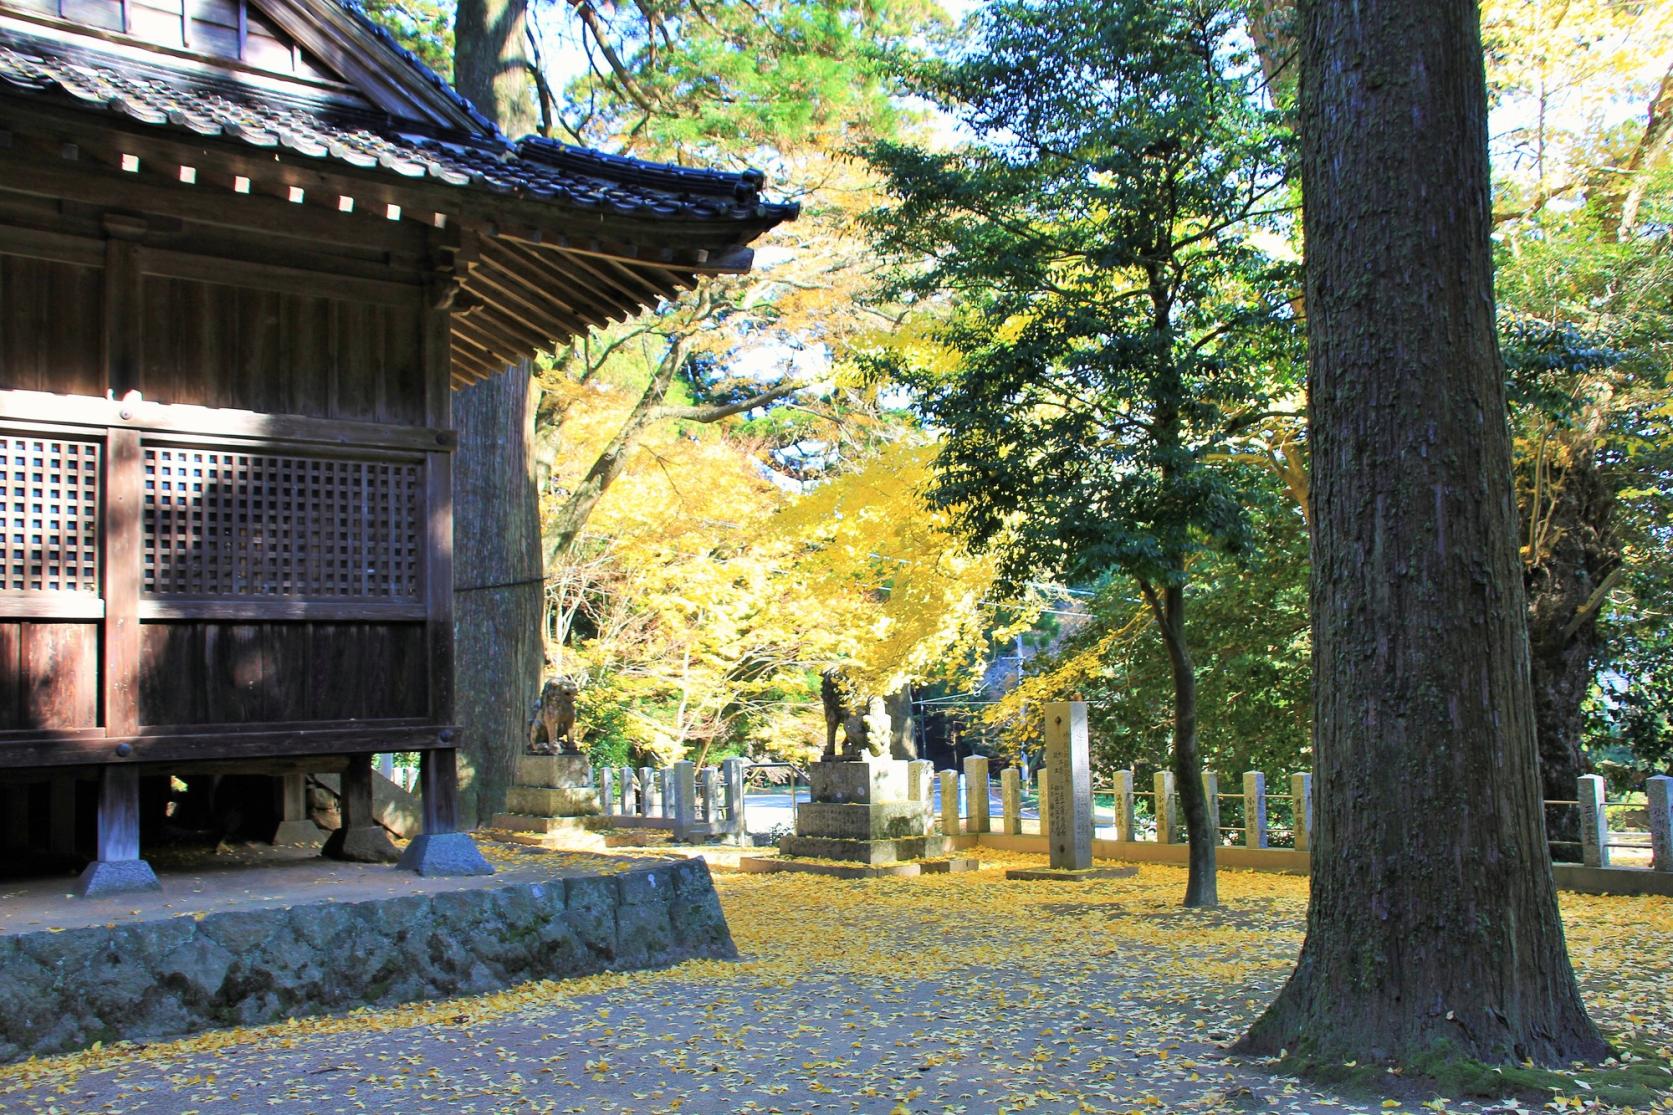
[839,700]
[552,728]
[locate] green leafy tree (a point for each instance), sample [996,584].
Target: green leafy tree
[1110,324]
[1250,642]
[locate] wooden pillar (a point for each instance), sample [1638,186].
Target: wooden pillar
[360,839]
[438,782]
[118,868]
[295,826]
[441,849]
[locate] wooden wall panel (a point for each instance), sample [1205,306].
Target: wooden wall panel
[247,673]
[49,675]
[282,353]
[49,335]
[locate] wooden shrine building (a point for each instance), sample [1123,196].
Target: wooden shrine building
[247,250]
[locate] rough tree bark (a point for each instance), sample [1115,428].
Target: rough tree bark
[491,62]
[1433,925]
[498,595]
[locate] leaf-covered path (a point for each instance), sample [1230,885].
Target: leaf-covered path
[951,993]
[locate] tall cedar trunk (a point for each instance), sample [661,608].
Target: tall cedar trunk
[1433,924]
[499,597]
[491,63]
[1566,585]
[1201,830]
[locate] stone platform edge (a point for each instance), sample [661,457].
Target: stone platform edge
[167,978]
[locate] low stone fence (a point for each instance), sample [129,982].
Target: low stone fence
[696,805]
[1148,825]
[155,979]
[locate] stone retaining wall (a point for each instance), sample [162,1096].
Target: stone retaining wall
[61,991]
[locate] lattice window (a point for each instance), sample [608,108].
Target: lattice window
[49,512]
[220,523]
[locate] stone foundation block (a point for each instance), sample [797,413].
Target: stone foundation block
[524,822]
[102,877]
[846,781]
[886,820]
[863,851]
[444,853]
[552,801]
[571,771]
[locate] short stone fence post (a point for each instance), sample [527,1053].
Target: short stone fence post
[1211,803]
[976,794]
[1301,801]
[1123,789]
[1594,821]
[1010,801]
[605,779]
[627,792]
[920,787]
[1167,807]
[1254,809]
[683,775]
[708,799]
[949,802]
[1659,792]
[732,773]
[647,792]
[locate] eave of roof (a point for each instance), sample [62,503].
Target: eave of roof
[534,169]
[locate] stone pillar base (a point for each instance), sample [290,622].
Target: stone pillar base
[121,876]
[298,833]
[444,853]
[361,844]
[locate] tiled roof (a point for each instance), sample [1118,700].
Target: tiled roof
[534,168]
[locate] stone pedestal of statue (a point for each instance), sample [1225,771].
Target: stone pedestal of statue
[553,804]
[862,812]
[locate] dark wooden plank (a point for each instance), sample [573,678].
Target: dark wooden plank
[28,604]
[50,749]
[235,684]
[173,689]
[285,662]
[410,669]
[273,609]
[23,321]
[334,654]
[122,316]
[11,676]
[277,278]
[252,429]
[121,571]
[60,670]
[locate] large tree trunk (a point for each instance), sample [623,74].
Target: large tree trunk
[499,596]
[1433,924]
[491,62]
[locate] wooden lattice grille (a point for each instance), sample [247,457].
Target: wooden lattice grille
[49,509]
[223,523]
